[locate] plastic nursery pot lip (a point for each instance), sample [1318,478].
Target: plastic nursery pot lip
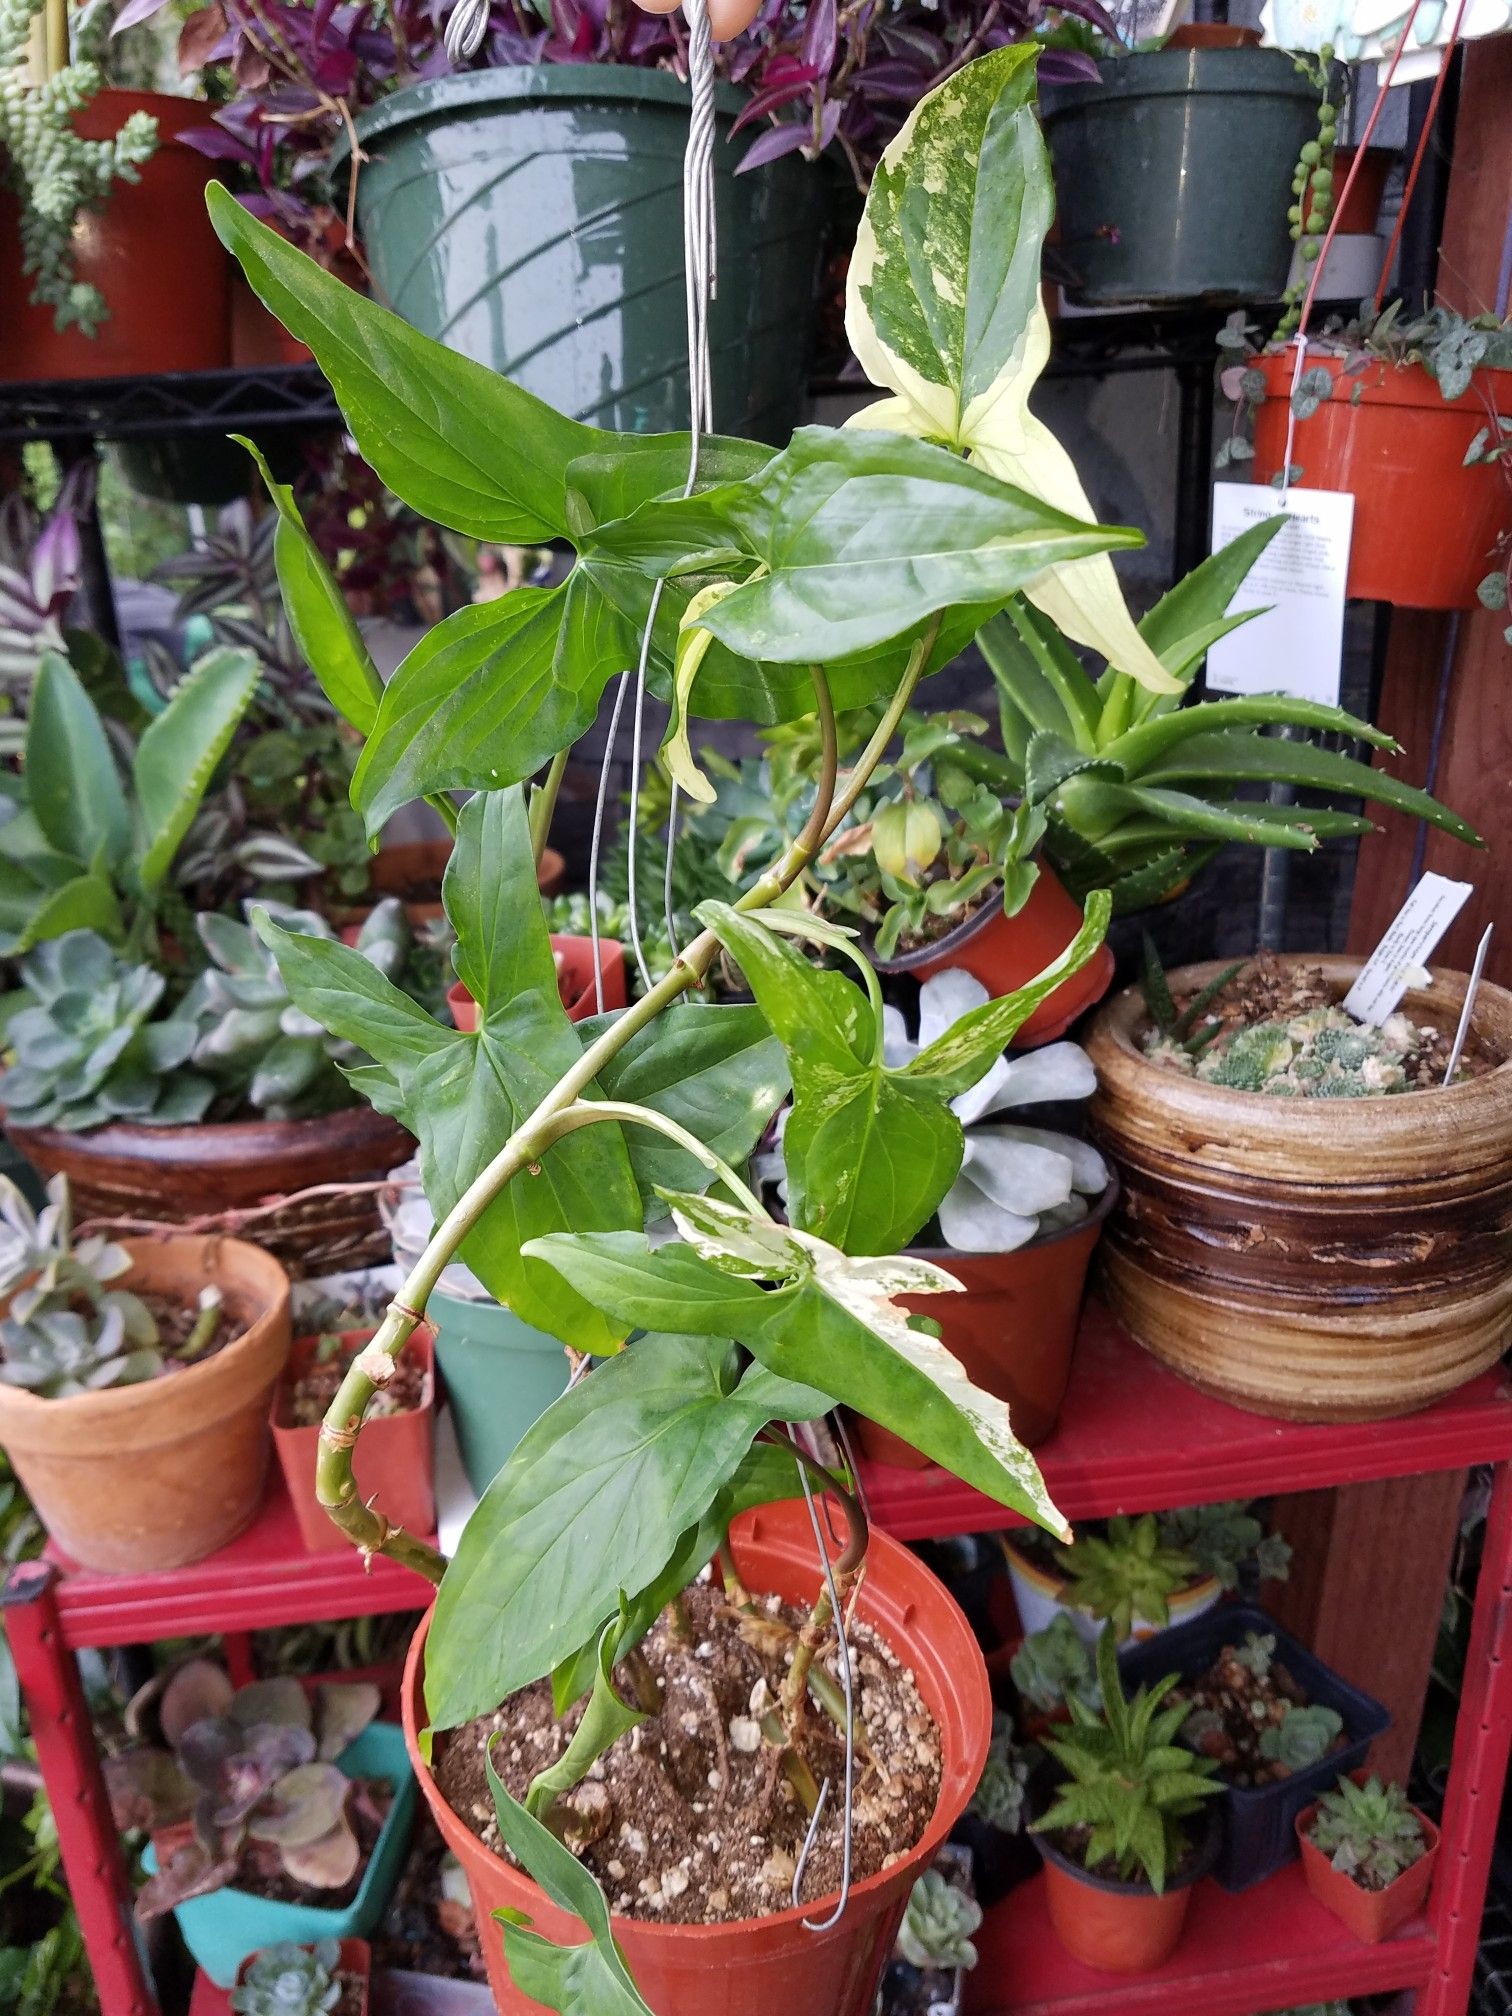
[949,1257]
[1176,73]
[1381,383]
[580,1000]
[922,1624]
[355,1957]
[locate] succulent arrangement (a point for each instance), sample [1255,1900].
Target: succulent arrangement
[1249,1716]
[254,1772]
[1223,1538]
[1002,1790]
[1303,1736]
[1369,1832]
[1053,1665]
[290,1980]
[1127,1574]
[1129,1786]
[938,1925]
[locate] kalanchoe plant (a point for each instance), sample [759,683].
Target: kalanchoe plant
[1052,1665]
[1129,1787]
[1369,1832]
[253,1769]
[938,1925]
[289,1980]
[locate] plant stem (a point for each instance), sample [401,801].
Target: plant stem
[585,1114]
[794,1766]
[543,800]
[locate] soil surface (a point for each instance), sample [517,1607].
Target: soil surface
[316,1389]
[1237,1705]
[260,1871]
[694,1822]
[176,1319]
[425,1931]
[1072,1843]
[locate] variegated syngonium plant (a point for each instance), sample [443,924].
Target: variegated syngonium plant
[846,567]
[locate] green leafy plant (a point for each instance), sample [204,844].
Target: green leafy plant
[1302,1737]
[1127,1574]
[1128,1784]
[289,1980]
[1053,1665]
[1369,1832]
[938,1924]
[1220,1539]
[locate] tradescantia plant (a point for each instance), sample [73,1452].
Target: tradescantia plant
[834,574]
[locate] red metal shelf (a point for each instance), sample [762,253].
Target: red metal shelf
[266,1577]
[1135,1438]
[1270,1948]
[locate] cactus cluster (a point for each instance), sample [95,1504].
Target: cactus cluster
[289,1980]
[1322,1053]
[1369,1832]
[938,1924]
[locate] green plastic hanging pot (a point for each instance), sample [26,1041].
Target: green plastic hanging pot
[1173,174]
[500,1375]
[532,219]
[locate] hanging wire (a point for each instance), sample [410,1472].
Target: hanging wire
[826,1924]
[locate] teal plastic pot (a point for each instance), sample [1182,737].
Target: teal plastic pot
[222,1929]
[1173,175]
[500,1376]
[532,219]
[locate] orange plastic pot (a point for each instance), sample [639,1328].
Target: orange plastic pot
[1372,1915]
[1119,1928]
[575,978]
[134,1479]
[767,1966]
[151,252]
[1014,1329]
[393,1461]
[1401,452]
[355,1961]
[1004,953]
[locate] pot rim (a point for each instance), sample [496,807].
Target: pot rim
[220,1141]
[1431,1837]
[1387,381]
[1201,1862]
[424,1334]
[935,1832]
[1040,1243]
[1181,73]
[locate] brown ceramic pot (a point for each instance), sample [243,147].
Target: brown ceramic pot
[1329,1260]
[180,1174]
[393,1461]
[1014,1329]
[141,1478]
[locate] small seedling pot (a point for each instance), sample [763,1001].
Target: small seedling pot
[1039,1594]
[393,1461]
[1119,1928]
[132,1480]
[1372,1915]
[1259,1821]
[1005,953]
[579,995]
[222,1929]
[758,1966]
[355,1961]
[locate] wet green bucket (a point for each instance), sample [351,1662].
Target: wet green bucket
[532,219]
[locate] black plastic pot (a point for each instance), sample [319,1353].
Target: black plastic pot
[1258,1832]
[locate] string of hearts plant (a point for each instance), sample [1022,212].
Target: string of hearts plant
[835,574]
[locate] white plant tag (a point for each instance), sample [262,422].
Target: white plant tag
[1298,645]
[1397,962]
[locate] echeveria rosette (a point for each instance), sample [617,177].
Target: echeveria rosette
[943,310]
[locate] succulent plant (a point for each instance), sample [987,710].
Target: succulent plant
[1221,1538]
[1369,1832]
[938,1924]
[253,1040]
[88,1049]
[1000,1793]
[1053,1665]
[289,1980]
[1127,1783]
[255,1771]
[1302,1737]
[1127,1574]
[1257,1653]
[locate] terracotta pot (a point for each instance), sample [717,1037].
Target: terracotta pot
[1006,952]
[1372,1915]
[135,1479]
[392,1461]
[579,995]
[1119,1928]
[1040,1596]
[1328,1260]
[1361,212]
[756,1967]
[179,1174]
[356,1960]
[408,865]
[151,252]
[1212,35]
[1401,451]
[1014,1329]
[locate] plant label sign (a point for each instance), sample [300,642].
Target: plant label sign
[1397,962]
[1297,645]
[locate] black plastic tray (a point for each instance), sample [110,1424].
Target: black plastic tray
[1259,1834]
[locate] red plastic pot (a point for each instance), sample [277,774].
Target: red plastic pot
[1004,953]
[355,1959]
[1425,526]
[767,1966]
[1359,214]
[1119,1928]
[151,252]
[1014,1329]
[1372,1915]
[579,995]
[392,1460]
